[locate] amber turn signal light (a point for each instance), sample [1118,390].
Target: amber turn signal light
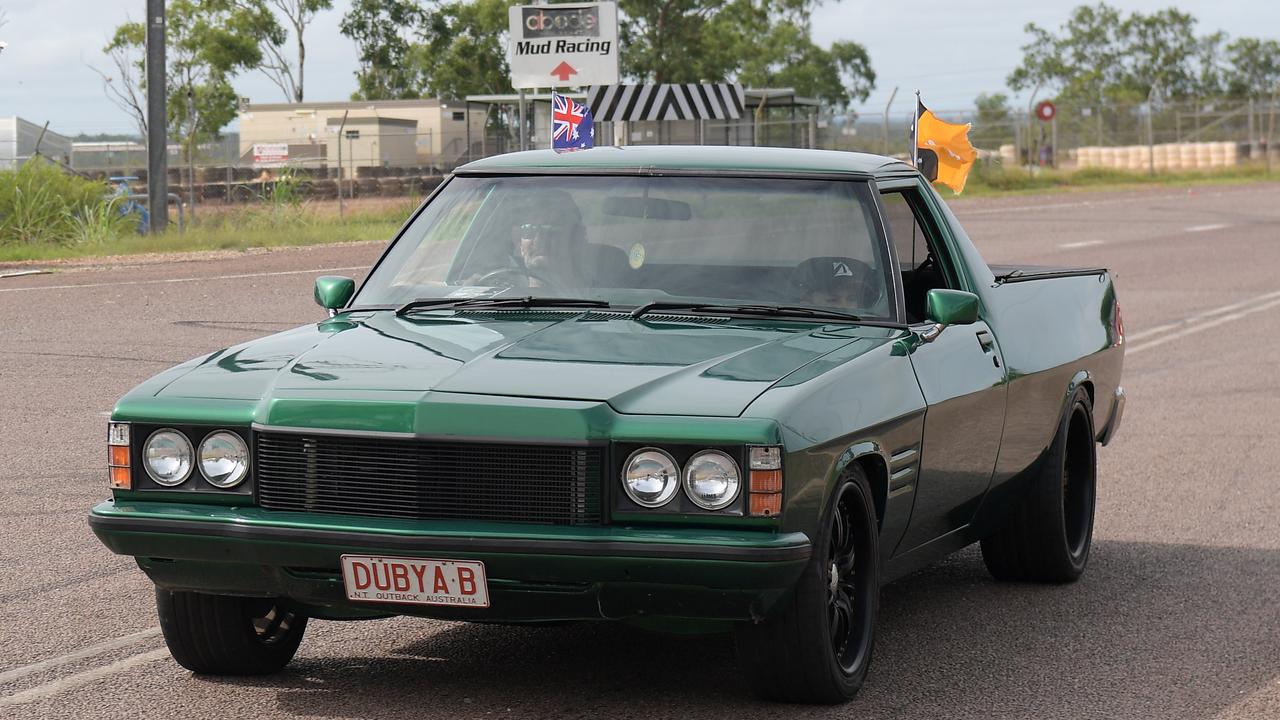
[766,505]
[766,481]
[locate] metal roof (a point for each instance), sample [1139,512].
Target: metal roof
[692,157]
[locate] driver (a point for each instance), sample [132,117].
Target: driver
[548,239]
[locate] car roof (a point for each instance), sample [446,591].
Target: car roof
[692,158]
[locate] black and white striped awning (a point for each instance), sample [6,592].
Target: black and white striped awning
[706,101]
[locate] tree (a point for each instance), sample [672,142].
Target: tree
[276,64]
[462,49]
[454,48]
[381,31]
[666,41]
[1099,57]
[1254,68]
[994,124]
[207,43]
[757,42]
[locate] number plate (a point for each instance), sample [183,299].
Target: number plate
[415,581]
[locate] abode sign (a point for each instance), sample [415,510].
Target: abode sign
[564,45]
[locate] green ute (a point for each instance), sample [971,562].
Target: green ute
[691,389]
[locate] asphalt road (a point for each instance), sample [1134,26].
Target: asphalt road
[1178,615]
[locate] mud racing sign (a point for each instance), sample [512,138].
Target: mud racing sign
[564,45]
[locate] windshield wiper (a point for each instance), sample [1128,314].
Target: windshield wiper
[770,310]
[482,302]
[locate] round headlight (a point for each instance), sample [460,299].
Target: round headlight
[651,477]
[167,457]
[711,479]
[224,459]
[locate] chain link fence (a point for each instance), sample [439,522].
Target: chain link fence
[1202,134]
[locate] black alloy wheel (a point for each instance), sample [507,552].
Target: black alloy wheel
[816,646]
[1049,531]
[849,592]
[272,622]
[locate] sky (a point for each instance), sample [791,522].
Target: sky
[950,51]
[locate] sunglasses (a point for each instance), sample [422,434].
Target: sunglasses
[533,230]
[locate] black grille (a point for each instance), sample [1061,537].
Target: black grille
[429,480]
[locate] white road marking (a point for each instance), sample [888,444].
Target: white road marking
[23,273]
[1206,315]
[1206,228]
[1082,243]
[1190,329]
[21,672]
[185,280]
[72,682]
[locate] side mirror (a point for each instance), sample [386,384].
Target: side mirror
[948,307]
[332,292]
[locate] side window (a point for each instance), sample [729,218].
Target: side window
[920,253]
[904,231]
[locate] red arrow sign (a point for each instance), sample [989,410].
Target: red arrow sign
[563,71]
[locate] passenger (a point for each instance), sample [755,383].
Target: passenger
[834,282]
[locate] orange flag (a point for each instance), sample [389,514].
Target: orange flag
[943,152]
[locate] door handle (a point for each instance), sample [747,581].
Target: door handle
[988,344]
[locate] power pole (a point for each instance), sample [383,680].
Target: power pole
[157,120]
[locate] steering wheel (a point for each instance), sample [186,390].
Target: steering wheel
[523,272]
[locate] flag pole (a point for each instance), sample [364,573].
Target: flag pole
[915,134]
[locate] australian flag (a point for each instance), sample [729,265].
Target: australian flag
[571,123]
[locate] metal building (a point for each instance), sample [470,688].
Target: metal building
[19,140]
[387,133]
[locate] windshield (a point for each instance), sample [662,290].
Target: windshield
[630,241]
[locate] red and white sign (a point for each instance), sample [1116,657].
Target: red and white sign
[1046,110]
[415,581]
[563,45]
[269,155]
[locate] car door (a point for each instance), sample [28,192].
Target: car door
[961,375]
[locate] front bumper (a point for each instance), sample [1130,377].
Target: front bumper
[536,572]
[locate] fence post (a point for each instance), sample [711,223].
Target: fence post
[231,160]
[341,128]
[887,105]
[1271,126]
[1151,140]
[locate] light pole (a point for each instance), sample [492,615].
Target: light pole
[157,136]
[191,152]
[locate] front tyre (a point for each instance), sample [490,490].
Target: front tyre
[817,649]
[1049,533]
[226,635]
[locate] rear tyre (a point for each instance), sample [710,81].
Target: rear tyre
[817,648]
[1049,534]
[225,635]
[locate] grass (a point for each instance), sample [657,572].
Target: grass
[254,226]
[990,181]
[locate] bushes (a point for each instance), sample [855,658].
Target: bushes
[42,205]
